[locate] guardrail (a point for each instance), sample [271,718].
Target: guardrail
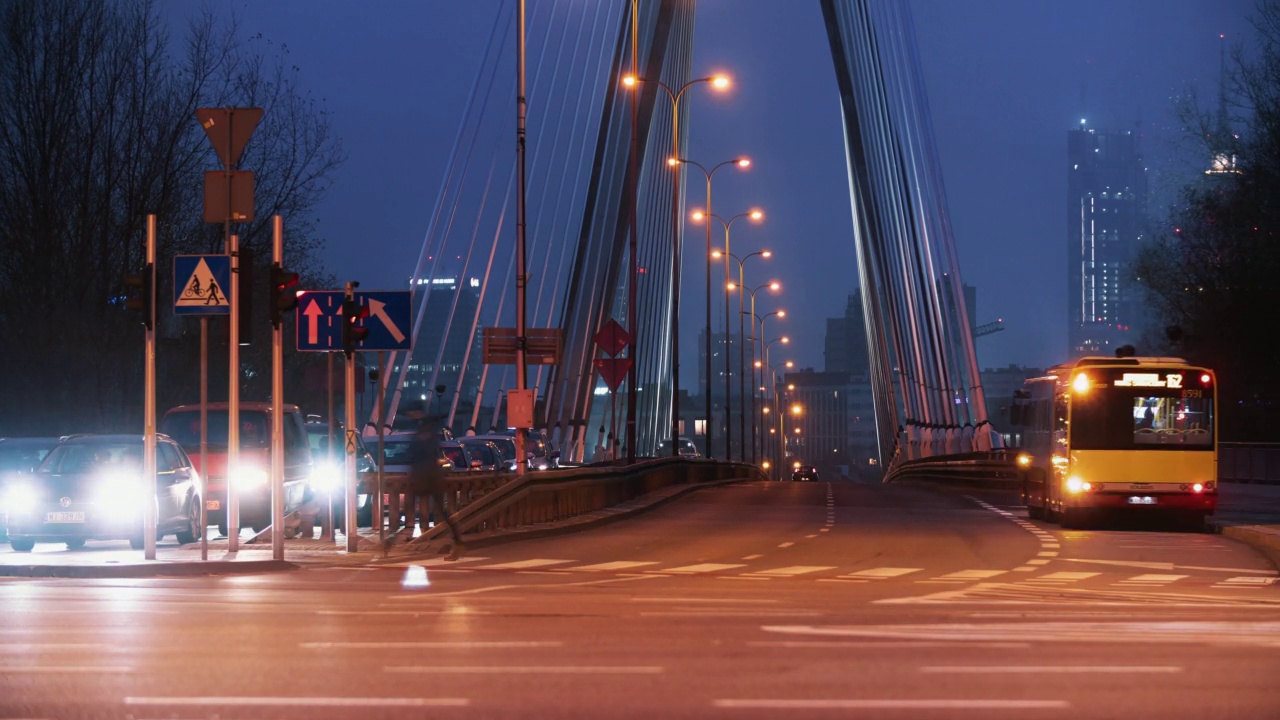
[992,468]
[488,502]
[1249,463]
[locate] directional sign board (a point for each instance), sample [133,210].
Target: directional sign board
[200,284]
[319,316]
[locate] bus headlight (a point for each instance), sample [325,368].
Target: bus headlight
[1075,485]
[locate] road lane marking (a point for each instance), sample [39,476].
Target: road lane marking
[786,544]
[433,562]
[1248,581]
[618,565]
[731,612]
[885,644]
[868,704]
[1064,576]
[298,701]
[1154,579]
[35,646]
[753,557]
[442,644]
[1048,553]
[1054,669]
[394,613]
[528,669]
[523,564]
[842,580]
[1038,561]
[882,573]
[1171,566]
[743,577]
[810,537]
[701,568]
[66,669]
[972,574]
[703,600]
[421,597]
[793,570]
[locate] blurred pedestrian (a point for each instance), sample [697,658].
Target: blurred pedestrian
[427,474]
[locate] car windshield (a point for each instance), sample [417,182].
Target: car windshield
[184,427]
[397,452]
[93,457]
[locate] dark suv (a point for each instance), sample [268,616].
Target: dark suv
[805,474]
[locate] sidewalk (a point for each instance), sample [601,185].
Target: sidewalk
[1251,514]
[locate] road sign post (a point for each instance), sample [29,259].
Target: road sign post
[349,519]
[277,407]
[149,405]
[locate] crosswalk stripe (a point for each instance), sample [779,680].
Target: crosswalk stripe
[619,565]
[1250,580]
[701,568]
[794,570]
[433,562]
[972,574]
[884,572]
[523,564]
[1154,578]
[1067,576]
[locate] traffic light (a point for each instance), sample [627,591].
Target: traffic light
[352,313]
[138,287]
[283,300]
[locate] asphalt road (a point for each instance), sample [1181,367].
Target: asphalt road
[766,600]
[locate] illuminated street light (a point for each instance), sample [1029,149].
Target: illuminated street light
[719,82]
[698,216]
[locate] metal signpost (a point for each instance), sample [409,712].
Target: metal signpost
[149,403]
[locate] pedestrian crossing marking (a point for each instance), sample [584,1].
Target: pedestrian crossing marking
[794,570]
[972,574]
[1249,580]
[1154,578]
[523,564]
[619,565]
[1067,576]
[702,568]
[881,573]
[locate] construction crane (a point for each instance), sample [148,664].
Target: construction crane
[988,328]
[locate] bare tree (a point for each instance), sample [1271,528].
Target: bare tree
[97,130]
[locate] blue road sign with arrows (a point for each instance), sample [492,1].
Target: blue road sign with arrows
[319,316]
[201,284]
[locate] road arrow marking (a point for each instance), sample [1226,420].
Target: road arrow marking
[313,313]
[378,310]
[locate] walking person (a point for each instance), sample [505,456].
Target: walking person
[428,473]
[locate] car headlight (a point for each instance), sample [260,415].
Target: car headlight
[248,477]
[326,477]
[20,498]
[120,493]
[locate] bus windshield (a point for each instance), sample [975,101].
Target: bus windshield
[1142,418]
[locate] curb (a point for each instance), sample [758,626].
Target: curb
[534,533]
[155,569]
[1267,543]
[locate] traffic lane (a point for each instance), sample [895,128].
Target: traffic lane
[586,652]
[777,528]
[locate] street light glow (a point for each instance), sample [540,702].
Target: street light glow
[766,253]
[782,313]
[720,82]
[775,286]
[629,80]
[717,254]
[785,339]
[744,162]
[698,216]
[732,286]
[791,364]
[673,162]
[796,409]
[757,215]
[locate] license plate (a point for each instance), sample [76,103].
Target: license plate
[1143,500]
[64,517]
[212,504]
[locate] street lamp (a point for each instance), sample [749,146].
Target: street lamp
[773,376]
[743,163]
[755,215]
[742,362]
[757,363]
[719,82]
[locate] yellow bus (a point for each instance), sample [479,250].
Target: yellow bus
[1127,433]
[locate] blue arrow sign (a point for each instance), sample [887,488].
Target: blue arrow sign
[319,320]
[201,284]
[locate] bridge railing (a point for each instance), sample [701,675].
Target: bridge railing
[1249,463]
[493,502]
[993,468]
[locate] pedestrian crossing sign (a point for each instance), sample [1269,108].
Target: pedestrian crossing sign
[201,284]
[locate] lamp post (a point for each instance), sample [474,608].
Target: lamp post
[719,82]
[755,215]
[744,163]
[773,286]
[773,379]
[757,363]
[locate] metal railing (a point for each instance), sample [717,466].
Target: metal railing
[995,468]
[1249,463]
[491,502]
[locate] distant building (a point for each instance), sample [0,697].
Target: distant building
[836,421]
[457,298]
[845,349]
[998,386]
[1106,215]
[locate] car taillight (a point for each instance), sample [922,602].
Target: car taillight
[1205,379]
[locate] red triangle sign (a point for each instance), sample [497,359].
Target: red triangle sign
[229,130]
[613,370]
[612,338]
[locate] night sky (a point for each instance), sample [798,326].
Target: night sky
[1006,79]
